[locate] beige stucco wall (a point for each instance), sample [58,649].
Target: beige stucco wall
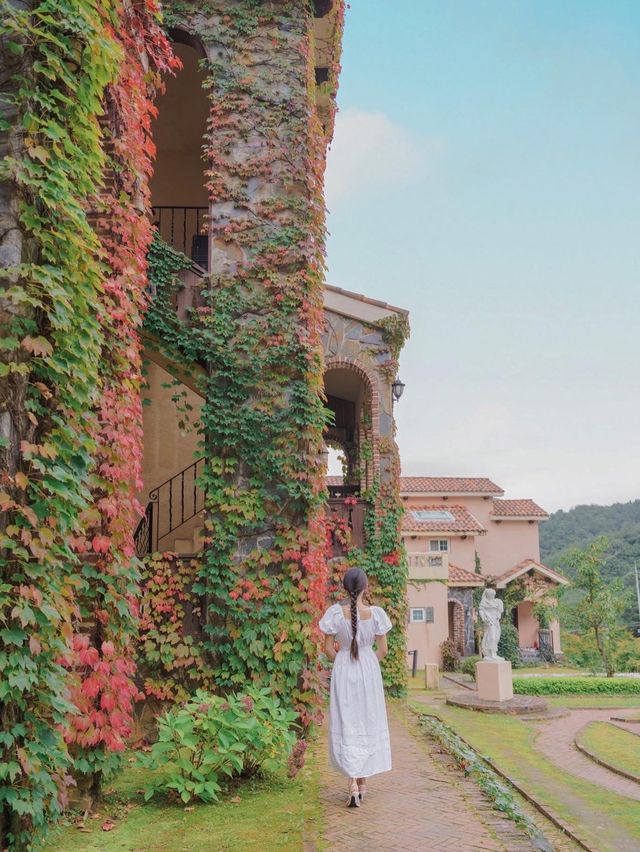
[505,544]
[426,638]
[167,449]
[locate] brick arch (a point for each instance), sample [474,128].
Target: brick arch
[371,384]
[456,624]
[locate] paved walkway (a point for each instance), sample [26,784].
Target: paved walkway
[423,803]
[556,741]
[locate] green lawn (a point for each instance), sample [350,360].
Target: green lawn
[273,813]
[609,821]
[612,745]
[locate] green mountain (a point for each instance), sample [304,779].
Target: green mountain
[580,525]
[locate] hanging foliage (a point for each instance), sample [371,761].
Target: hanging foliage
[69,376]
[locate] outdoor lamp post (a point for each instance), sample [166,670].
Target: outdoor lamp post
[397,389]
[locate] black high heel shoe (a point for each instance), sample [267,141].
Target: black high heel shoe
[354,796]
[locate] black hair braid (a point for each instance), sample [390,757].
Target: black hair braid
[354,624]
[354,582]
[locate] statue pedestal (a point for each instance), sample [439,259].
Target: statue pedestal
[494,680]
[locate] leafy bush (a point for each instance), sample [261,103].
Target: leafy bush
[468,665]
[576,686]
[627,655]
[450,656]
[212,739]
[582,651]
[509,644]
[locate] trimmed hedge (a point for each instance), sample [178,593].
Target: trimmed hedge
[576,685]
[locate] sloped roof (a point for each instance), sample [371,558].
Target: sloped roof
[461,577]
[459,520]
[334,480]
[448,485]
[517,509]
[525,566]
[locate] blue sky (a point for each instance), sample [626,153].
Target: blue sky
[485,174]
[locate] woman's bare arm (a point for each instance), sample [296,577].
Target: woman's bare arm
[330,647]
[381,647]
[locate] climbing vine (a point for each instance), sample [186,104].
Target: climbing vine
[68,381]
[171,659]
[385,562]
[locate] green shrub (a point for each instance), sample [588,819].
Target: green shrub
[576,685]
[212,739]
[509,644]
[582,652]
[468,665]
[450,656]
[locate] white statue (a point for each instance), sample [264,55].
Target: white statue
[490,611]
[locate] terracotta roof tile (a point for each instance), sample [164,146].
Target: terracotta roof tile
[461,577]
[526,565]
[334,480]
[448,485]
[459,519]
[517,509]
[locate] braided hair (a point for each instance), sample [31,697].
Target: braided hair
[354,582]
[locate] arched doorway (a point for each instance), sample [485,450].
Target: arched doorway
[348,393]
[178,187]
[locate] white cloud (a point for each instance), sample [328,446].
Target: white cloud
[370,152]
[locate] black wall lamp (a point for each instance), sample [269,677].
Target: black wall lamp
[397,389]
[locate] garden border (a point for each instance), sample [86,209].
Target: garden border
[525,795]
[587,753]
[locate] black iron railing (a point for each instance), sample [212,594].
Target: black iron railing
[185,229]
[545,640]
[171,504]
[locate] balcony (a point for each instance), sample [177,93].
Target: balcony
[186,230]
[428,566]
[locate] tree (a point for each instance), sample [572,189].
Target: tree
[598,608]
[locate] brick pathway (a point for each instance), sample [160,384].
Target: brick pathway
[423,803]
[556,741]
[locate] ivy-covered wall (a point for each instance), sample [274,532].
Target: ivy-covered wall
[78,153]
[370,348]
[258,340]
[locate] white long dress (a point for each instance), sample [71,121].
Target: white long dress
[358,731]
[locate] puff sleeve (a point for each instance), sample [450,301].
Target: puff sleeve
[381,621]
[330,620]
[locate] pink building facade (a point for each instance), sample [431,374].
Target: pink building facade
[460,533]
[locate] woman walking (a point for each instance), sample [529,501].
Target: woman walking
[358,730]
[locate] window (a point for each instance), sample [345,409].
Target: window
[439,545]
[431,515]
[421,615]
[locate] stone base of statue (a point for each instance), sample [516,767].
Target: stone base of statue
[494,680]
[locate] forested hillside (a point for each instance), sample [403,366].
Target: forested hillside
[579,526]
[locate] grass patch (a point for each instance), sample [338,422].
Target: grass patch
[273,813]
[576,686]
[613,746]
[610,822]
